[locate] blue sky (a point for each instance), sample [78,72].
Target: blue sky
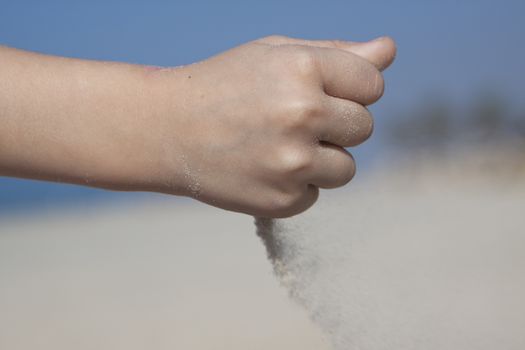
[454,48]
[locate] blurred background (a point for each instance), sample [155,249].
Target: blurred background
[85,268]
[457,79]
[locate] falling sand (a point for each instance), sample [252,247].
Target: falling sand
[404,261]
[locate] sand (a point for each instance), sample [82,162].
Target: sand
[415,259]
[145,276]
[427,259]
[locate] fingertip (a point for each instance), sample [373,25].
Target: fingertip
[380,51]
[389,50]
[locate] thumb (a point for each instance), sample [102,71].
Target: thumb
[380,52]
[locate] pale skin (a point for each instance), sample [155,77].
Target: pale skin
[258,129]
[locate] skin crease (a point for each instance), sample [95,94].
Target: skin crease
[257,129]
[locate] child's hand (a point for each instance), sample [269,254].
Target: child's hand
[259,128]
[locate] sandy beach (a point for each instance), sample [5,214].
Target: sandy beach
[147,276]
[169,275]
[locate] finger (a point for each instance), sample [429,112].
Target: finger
[333,167]
[349,76]
[381,52]
[344,123]
[298,202]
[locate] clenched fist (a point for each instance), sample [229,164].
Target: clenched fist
[257,129]
[260,128]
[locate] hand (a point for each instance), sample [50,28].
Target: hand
[260,128]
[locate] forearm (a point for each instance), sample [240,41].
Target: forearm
[256,129]
[78,121]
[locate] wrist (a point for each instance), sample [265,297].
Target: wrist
[152,159]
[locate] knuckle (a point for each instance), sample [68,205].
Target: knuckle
[304,63]
[286,201]
[279,204]
[299,113]
[304,107]
[273,39]
[286,204]
[294,160]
